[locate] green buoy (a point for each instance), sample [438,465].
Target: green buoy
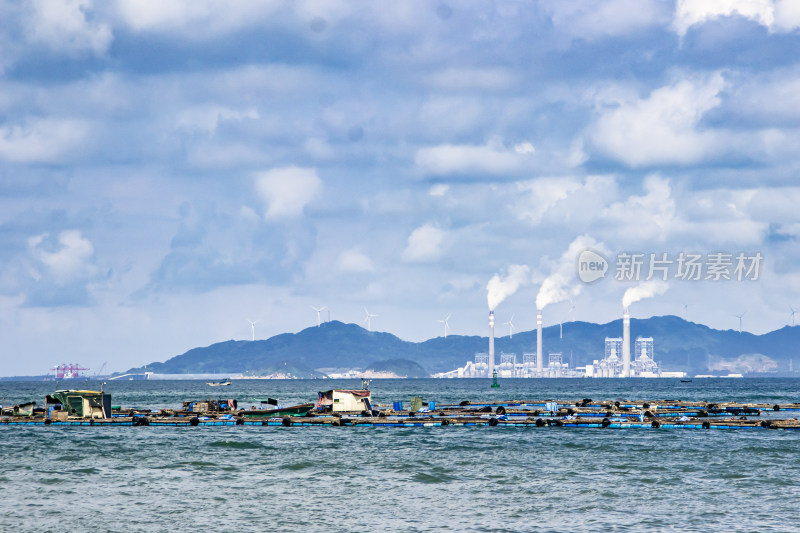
[495,384]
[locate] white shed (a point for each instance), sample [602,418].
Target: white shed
[345,400]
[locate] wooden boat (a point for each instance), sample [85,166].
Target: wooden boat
[295,410]
[218,383]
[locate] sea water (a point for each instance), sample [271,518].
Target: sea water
[254,478]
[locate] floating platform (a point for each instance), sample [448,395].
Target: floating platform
[661,414]
[417,421]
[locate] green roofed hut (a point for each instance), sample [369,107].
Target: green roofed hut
[82,403]
[24,409]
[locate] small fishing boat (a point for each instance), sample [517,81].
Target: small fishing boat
[218,383]
[686,381]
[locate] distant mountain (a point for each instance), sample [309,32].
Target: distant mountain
[679,345]
[333,344]
[399,367]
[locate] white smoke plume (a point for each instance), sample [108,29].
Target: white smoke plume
[647,289]
[562,284]
[499,288]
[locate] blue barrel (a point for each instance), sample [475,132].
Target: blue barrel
[431,405]
[397,406]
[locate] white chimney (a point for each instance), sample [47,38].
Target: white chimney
[626,343]
[491,342]
[539,359]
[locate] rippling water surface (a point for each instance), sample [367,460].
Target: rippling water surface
[253,478]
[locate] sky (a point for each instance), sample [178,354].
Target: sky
[170,171]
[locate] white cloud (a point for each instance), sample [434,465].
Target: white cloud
[662,128]
[777,15]
[491,158]
[566,199]
[439,190]
[485,79]
[63,26]
[463,283]
[42,140]
[207,154]
[545,193]
[445,116]
[596,18]
[424,244]
[207,119]
[195,19]
[286,191]
[524,148]
[706,218]
[741,216]
[649,216]
[319,148]
[692,12]
[768,99]
[249,215]
[576,155]
[777,204]
[68,260]
[787,15]
[354,260]
[661,212]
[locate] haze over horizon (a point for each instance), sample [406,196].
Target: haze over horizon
[170,172]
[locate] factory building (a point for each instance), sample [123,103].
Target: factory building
[611,364]
[645,366]
[508,365]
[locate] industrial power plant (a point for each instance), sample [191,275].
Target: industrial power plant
[616,362]
[559,287]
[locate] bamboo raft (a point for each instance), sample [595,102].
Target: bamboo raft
[662,414]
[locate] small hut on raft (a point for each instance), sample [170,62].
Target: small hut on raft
[338,400]
[80,403]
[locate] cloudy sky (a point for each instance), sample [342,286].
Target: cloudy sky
[171,170]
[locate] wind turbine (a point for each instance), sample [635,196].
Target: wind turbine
[793,312]
[685,311]
[321,309]
[253,328]
[561,324]
[446,325]
[740,320]
[368,319]
[510,325]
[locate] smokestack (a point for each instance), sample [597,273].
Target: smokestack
[539,361]
[491,342]
[626,343]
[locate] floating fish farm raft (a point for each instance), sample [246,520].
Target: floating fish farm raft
[585,413]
